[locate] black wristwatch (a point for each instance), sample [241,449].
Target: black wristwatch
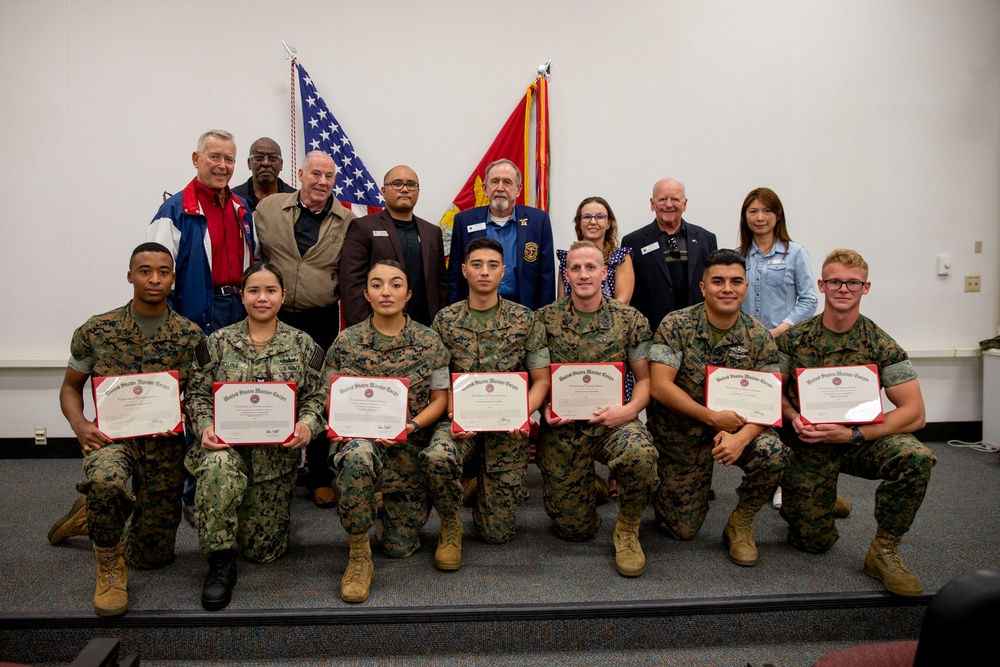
[416,426]
[857,437]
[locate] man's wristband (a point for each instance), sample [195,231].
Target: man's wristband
[416,426]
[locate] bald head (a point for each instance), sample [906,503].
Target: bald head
[669,201]
[400,189]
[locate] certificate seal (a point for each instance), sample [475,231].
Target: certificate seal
[137,390]
[255,399]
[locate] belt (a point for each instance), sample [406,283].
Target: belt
[226,290]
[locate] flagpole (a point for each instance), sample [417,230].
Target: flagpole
[290,54]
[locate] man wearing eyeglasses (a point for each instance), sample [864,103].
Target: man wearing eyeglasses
[842,336]
[668,255]
[265,173]
[395,233]
[302,233]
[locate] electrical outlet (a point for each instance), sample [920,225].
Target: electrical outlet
[971,283]
[41,438]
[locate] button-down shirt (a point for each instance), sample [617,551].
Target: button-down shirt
[781,285]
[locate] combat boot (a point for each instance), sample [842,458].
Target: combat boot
[601,490]
[110,595]
[738,535]
[357,579]
[448,555]
[842,508]
[884,563]
[629,559]
[219,582]
[72,524]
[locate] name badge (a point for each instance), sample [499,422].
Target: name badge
[476,228]
[775,261]
[379,232]
[645,250]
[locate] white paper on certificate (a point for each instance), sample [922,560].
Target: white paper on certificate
[131,406]
[580,388]
[753,395]
[489,402]
[368,407]
[840,395]
[254,413]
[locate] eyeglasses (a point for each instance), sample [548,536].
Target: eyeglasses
[852,285]
[587,217]
[399,185]
[258,158]
[672,248]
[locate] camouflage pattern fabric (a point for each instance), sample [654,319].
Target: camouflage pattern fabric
[684,341]
[809,487]
[511,341]
[566,454]
[243,493]
[146,522]
[415,353]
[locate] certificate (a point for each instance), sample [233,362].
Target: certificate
[130,406]
[753,395]
[489,402]
[254,413]
[840,395]
[580,388]
[368,407]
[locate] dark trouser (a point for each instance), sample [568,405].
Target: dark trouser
[960,621]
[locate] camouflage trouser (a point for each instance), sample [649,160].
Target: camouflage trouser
[231,507]
[147,521]
[685,468]
[566,456]
[405,501]
[809,487]
[499,484]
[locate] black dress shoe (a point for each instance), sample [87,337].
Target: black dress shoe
[220,580]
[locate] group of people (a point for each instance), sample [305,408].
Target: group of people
[247,285]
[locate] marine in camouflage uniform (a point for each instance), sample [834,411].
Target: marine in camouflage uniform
[415,353]
[566,454]
[510,341]
[684,342]
[244,493]
[146,522]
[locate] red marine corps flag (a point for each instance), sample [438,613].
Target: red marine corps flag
[513,143]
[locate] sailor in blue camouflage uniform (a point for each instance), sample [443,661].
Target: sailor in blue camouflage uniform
[842,336]
[387,344]
[690,437]
[244,493]
[587,326]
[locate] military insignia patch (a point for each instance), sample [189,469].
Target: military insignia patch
[530,252]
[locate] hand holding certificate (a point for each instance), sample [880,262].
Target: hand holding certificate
[580,389]
[131,406]
[754,395]
[373,408]
[254,413]
[489,402]
[840,395]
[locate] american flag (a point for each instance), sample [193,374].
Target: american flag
[354,188]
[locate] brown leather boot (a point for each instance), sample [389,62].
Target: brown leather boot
[357,580]
[842,508]
[885,564]
[448,555]
[71,524]
[738,535]
[110,596]
[629,559]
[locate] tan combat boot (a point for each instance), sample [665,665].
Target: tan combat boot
[448,555]
[629,559]
[842,508]
[357,579]
[885,564]
[110,596]
[601,490]
[738,535]
[73,523]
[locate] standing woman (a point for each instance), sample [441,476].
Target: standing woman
[387,344]
[782,291]
[244,493]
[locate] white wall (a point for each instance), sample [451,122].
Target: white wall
[877,123]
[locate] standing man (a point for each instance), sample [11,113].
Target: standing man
[690,437]
[210,234]
[143,336]
[484,334]
[587,326]
[395,233]
[302,233]
[668,255]
[265,168]
[524,232]
[842,336]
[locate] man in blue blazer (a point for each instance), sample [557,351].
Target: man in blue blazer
[524,232]
[668,255]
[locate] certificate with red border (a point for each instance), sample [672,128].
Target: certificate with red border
[254,413]
[368,407]
[132,406]
[840,395]
[483,402]
[753,395]
[578,389]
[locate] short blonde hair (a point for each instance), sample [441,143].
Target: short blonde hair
[847,257]
[578,245]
